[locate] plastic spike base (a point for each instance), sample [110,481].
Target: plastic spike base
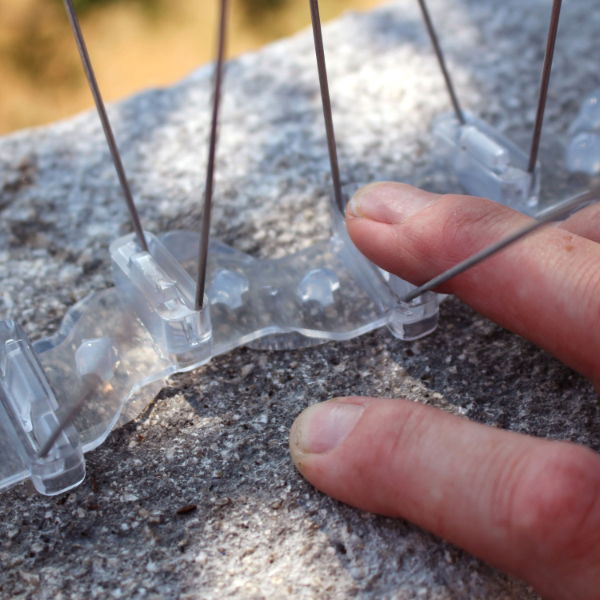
[486,163]
[583,150]
[129,338]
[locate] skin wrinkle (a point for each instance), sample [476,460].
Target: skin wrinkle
[581,528]
[399,242]
[473,485]
[380,454]
[487,479]
[529,521]
[351,473]
[446,522]
[406,438]
[501,496]
[554,511]
[464,232]
[561,497]
[523,494]
[413,252]
[400,447]
[394,449]
[589,281]
[358,476]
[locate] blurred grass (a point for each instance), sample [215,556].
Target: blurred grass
[134,44]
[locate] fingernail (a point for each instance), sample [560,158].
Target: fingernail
[388,202]
[353,208]
[323,427]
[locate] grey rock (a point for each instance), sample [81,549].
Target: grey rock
[214,442]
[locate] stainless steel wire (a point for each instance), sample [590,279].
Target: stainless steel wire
[212,149]
[108,132]
[441,61]
[543,219]
[326,102]
[544,84]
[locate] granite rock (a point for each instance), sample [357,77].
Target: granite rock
[197,498]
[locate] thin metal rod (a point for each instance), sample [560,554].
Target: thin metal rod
[544,83]
[90,382]
[110,138]
[326,102]
[442,62]
[212,149]
[543,219]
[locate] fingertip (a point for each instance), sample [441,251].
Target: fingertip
[388,202]
[353,208]
[527,506]
[322,427]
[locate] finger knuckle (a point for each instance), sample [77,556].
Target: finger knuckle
[464,222]
[555,504]
[394,450]
[415,424]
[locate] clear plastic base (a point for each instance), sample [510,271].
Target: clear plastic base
[127,339]
[29,414]
[486,163]
[582,154]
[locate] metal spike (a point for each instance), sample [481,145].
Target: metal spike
[544,84]
[326,102]
[212,148]
[442,62]
[89,384]
[544,218]
[110,138]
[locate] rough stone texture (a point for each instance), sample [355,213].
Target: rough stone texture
[217,438]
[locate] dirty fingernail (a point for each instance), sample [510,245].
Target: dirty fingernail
[388,202]
[323,427]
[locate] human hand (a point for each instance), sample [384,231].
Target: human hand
[528,506]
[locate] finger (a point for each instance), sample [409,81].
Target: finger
[528,506]
[585,223]
[546,287]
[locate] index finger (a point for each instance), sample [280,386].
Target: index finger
[545,288]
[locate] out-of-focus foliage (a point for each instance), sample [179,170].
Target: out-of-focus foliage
[253,8]
[257,8]
[133,43]
[81,6]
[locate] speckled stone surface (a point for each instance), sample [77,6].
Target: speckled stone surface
[197,498]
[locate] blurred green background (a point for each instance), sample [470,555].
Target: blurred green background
[134,44]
